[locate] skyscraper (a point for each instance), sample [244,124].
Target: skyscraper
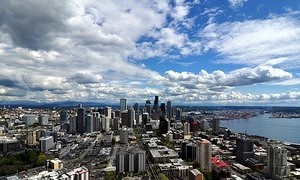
[130,118]
[145,118]
[80,125]
[123,104]
[216,124]
[277,162]
[124,118]
[148,107]
[163,108]
[203,154]
[89,123]
[107,112]
[186,128]
[169,110]
[155,106]
[63,117]
[73,125]
[244,149]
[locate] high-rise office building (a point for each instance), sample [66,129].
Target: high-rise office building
[277,162]
[46,143]
[155,105]
[130,118]
[107,124]
[107,112]
[123,104]
[89,123]
[115,123]
[80,125]
[164,125]
[96,121]
[148,107]
[186,128]
[43,119]
[216,124]
[73,125]
[169,110]
[124,118]
[203,154]
[63,117]
[188,151]
[145,118]
[163,109]
[244,149]
[138,118]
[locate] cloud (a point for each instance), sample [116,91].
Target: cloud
[86,50]
[240,77]
[35,25]
[272,41]
[85,78]
[289,82]
[260,74]
[236,3]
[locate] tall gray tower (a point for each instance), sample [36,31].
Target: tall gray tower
[123,104]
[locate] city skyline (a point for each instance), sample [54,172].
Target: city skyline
[233,52]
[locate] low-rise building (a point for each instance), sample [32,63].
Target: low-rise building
[162,154]
[55,164]
[176,168]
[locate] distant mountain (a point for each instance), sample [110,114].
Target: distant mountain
[62,104]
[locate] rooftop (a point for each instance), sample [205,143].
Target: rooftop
[218,163]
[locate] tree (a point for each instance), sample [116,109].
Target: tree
[41,160]
[110,175]
[162,176]
[32,156]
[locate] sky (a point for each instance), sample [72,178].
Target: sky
[200,52]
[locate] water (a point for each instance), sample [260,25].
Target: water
[283,129]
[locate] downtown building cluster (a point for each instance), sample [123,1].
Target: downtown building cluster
[149,139]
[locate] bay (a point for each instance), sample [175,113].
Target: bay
[282,129]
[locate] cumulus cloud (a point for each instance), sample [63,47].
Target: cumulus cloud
[86,50]
[272,41]
[240,77]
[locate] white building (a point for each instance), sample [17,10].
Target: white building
[29,119]
[132,160]
[46,143]
[203,154]
[277,162]
[186,128]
